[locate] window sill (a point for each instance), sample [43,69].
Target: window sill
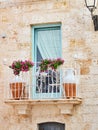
[24,107]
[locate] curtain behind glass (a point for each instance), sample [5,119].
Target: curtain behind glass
[48,43]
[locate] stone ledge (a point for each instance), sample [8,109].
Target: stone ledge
[24,107]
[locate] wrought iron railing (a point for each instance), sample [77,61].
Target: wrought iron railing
[44,85]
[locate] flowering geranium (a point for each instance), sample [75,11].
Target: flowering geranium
[45,64]
[48,63]
[56,63]
[20,65]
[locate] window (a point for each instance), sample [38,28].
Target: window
[51,126]
[46,45]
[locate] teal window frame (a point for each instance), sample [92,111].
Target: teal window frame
[43,95]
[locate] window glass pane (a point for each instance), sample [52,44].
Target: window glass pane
[51,126]
[48,43]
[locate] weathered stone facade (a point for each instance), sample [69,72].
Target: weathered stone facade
[78,36]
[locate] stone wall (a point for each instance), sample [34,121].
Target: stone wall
[78,39]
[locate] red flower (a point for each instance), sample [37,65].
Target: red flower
[54,63]
[19,66]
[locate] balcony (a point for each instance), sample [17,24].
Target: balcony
[42,88]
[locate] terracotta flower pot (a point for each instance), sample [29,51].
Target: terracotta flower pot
[17,89]
[69,83]
[70,90]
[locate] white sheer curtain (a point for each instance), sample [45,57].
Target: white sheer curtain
[48,42]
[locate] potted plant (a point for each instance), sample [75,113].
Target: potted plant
[45,64]
[21,66]
[50,63]
[69,83]
[18,86]
[56,63]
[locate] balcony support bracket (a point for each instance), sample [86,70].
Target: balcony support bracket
[21,107]
[25,107]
